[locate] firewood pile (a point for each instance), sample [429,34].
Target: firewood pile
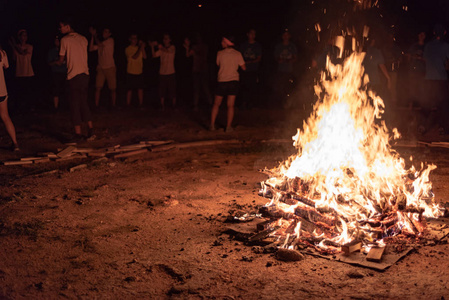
[291,221]
[73,152]
[115,152]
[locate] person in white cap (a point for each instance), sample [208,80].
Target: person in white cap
[228,60]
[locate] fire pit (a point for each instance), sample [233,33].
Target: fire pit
[347,190]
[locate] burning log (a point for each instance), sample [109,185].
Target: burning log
[313,215]
[262,235]
[351,247]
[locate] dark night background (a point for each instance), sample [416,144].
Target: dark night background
[215,17]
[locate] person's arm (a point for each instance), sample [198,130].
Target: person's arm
[4,59]
[155,53]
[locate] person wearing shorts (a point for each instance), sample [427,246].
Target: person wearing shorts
[167,78]
[74,51]
[106,70]
[228,60]
[4,101]
[135,54]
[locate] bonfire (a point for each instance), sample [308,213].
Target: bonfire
[346,184]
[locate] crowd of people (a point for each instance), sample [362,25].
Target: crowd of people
[238,73]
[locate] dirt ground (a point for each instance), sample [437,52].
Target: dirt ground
[151,226]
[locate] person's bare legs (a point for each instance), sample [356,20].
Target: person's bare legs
[97,96]
[215,108]
[113,97]
[7,121]
[231,102]
[129,95]
[140,96]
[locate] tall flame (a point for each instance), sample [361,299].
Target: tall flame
[345,158]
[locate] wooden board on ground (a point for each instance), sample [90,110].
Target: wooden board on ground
[131,153]
[17,162]
[375,254]
[66,152]
[155,143]
[207,143]
[41,160]
[31,158]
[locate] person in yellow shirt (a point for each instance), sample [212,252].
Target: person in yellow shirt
[135,54]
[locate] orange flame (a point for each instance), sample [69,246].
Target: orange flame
[345,157]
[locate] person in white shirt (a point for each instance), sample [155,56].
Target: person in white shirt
[167,79]
[106,70]
[228,60]
[4,101]
[74,52]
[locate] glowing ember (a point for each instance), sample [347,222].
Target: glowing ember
[346,175]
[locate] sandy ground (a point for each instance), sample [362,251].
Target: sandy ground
[151,226]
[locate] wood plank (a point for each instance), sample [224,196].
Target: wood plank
[207,143]
[375,254]
[84,150]
[131,153]
[31,158]
[41,160]
[164,148]
[351,247]
[66,152]
[17,162]
[155,143]
[133,146]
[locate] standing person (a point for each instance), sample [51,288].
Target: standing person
[135,54]
[167,79]
[23,53]
[285,54]
[4,101]
[228,60]
[252,54]
[436,108]
[199,51]
[106,70]
[74,50]
[417,70]
[58,73]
